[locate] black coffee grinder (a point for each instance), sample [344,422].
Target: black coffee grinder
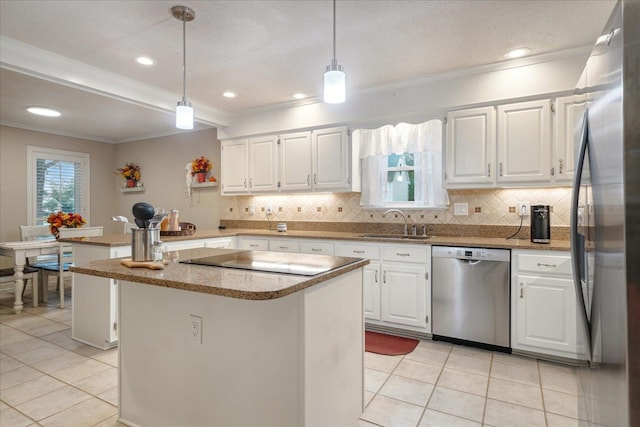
[540,224]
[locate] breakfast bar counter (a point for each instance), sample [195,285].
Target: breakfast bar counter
[204,345]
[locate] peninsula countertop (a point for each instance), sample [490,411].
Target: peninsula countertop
[228,282]
[484,242]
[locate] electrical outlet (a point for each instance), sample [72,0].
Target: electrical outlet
[252,209]
[269,209]
[461,208]
[196,328]
[523,209]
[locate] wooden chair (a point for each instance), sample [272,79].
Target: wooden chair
[61,266]
[30,274]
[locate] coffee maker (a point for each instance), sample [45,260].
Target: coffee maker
[540,224]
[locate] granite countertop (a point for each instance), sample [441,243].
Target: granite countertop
[228,282]
[484,242]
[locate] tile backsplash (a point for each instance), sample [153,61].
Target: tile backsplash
[484,207]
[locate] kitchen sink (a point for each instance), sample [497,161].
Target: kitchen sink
[394,237]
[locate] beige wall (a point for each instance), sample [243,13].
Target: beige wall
[13,176]
[162,165]
[162,161]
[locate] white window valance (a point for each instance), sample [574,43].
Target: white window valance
[424,140]
[402,138]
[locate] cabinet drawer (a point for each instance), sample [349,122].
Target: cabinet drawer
[358,251]
[284,245]
[254,244]
[549,264]
[406,253]
[318,248]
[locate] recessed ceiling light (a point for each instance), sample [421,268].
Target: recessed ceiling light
[299,95]
[145,60]
[229,94]
[517,53]
[42,111]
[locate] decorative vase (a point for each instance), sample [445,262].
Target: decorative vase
[201,176]
[131,183]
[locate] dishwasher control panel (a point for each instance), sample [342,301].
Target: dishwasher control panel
[503,255]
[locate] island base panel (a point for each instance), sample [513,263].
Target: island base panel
[291,361]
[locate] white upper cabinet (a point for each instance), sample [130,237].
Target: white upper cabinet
[524,142]
[263,164]
[320,160]
[469,147]
[234,170]
[330,156]
[295,161]
[504,146]
[569,112]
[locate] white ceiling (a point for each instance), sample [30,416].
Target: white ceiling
[78,56]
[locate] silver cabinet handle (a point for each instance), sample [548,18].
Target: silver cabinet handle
[357,252]
[283,247]
[489,170]
[253,245]
[500,168]
[308,179]
[245,183]
[250,182]
[315,178]
[560,161]
[375,277]
[316,250]
[521,291]
[384,277]
[543,264]
[399,254]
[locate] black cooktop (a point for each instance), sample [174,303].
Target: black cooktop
[275,262]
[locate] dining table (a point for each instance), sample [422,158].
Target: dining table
[19,252]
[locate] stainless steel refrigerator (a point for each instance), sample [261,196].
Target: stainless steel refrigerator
[605,222]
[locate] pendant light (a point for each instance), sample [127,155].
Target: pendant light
[184,111]
[334,77]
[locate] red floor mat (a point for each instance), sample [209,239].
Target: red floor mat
[390,345]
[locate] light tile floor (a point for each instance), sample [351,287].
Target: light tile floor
[48,379]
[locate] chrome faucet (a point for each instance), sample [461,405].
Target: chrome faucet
[406,228]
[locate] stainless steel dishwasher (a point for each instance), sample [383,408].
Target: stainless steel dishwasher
[470,296]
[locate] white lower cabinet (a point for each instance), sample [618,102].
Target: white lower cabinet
[543,310]
[396,287]
[94,300]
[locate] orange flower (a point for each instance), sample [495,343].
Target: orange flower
[201,164]
[64,219]
[129,171]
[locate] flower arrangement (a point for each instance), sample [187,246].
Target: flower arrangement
[200,165]
[129,171]
[64,219]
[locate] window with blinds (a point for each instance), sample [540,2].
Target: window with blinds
[59,181]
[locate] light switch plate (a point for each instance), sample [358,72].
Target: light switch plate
[461,208]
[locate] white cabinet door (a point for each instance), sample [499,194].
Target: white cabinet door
[403,294]
[330,156]
[546,314]
[524,142]
[234,170]
[569,111]
[263,164]
[469,148]
[295,161]
[371,291]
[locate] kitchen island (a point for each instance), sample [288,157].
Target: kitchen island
[203,345]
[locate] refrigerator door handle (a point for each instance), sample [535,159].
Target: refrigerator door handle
[577,241]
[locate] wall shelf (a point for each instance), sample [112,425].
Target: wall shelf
[132,189]
[204,184]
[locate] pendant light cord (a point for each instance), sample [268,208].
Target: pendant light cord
[334,30]
[184,56]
